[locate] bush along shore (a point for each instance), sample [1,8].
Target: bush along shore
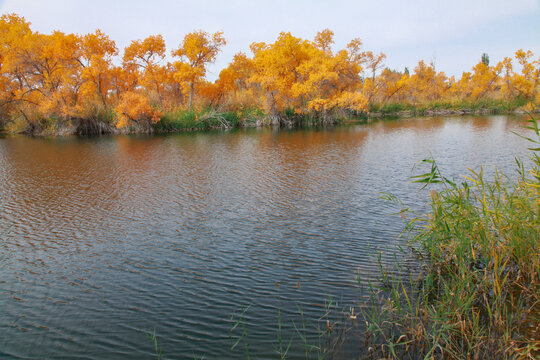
[477,295]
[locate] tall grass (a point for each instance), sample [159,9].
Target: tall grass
[297,335]
[205,119]
[490,105]
[478,295]
[153,338]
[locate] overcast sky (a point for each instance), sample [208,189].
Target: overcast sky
[453,33]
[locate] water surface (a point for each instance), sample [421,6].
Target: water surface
[103,240]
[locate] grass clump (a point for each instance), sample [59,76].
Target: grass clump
[478,295]
[487,105]
[179,120]
[183,120]
[205,119]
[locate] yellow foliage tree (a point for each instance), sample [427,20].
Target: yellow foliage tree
[425,84]
[95,56]
[276,71]
[197,50]
[484,80]
[393,85]
[143,58]
[527,82]
[13,85]
[234,86]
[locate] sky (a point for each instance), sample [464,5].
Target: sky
[453,33]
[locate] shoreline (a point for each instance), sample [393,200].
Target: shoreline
[447,112]
[101,128]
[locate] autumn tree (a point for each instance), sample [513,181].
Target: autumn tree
[426,84]
[462,88]
[122,80]
[507,87]
[393,85]
[144,57]
[372,63]
[527,82]
[48,73]
[276,71]
[484,79]
[307,76]
[14,89]
[197,50]
[234,83]
[329,81]
[324,40]
[95,56]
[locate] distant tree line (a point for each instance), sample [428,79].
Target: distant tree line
[55,78]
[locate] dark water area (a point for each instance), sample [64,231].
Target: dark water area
[103,240]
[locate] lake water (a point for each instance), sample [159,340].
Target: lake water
[103,240]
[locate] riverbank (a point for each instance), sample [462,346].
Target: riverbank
[453,108]
[210,119]
[445,112]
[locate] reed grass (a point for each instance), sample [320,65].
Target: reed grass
[205,119]
[153,338]
[490,105]
[478,293]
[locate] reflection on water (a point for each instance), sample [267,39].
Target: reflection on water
[104,239]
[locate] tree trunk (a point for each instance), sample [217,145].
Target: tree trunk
[101,92]
[274,117]
[190,95]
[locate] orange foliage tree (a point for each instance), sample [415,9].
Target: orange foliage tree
[95,57]
[307,76]
[196,51]
[143,58]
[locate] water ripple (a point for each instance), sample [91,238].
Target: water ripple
[103,240]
